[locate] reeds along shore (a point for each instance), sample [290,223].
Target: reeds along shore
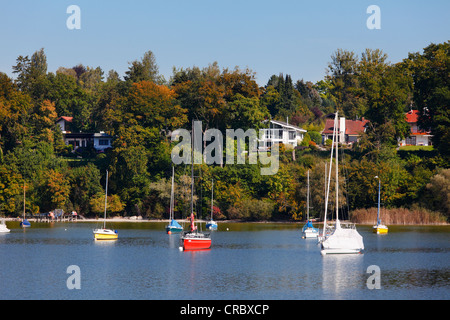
[397,216]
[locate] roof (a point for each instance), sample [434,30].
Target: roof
[286,125]
[68,119]
[352,127]
[412,116]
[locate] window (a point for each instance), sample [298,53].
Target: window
[103,142]
[292,135]
[411,141]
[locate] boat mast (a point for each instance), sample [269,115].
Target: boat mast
[106,199]
[172,196]
[337,173]
[212,198]
[379,191]
[24,200]
[329,178]
[192,180]
[307,199]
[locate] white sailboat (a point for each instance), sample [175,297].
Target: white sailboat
[103,233]
[3,227]
[341,240]
[308,230]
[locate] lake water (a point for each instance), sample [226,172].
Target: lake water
[249,261]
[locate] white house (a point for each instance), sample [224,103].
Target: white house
[280,132]
[416,137]
[100,141]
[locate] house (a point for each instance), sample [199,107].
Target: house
[100,141]
[280,132]
[417,137]
[65,123]
[349,130]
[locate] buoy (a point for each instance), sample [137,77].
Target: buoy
[169,232]
[180,248]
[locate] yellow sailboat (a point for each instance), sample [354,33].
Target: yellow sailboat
[103,233]
[379,228]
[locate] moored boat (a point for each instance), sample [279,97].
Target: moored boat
[211,224]
[308,230]
[379,228]
[194,239]
[173,226]
[340,240]
[103,233]
[3,227]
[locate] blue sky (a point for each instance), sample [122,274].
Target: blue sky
[270,37]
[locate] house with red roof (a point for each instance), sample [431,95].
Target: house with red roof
[349,130]
[417,137]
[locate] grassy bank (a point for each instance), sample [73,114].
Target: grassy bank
[399,216]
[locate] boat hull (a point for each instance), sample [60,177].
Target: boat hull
[196,241]
[339,251]
[171,230]
[380,229]
[4,230]
[196,244]
[211,226]
[105,235]
[308,233]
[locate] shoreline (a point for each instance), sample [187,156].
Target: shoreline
[143,220]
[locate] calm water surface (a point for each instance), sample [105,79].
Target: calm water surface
[248,261]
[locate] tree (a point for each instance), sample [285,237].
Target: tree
[342,74]
[56,190]
[438,192]
[152,105]
[144,70]
[30,71]
[432,92]
[114,204]
[84,184]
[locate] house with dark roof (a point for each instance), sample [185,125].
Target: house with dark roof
[417,137]
[100,141]
[349,130]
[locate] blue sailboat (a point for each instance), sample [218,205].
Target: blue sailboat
[308,230]
[24,223]
[173,226]
[211,224]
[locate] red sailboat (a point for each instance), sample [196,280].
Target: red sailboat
[194,239]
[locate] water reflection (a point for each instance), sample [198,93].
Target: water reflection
[342,273]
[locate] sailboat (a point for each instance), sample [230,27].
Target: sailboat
[194,239]
[308,230]
[24,223]
[3,227]
[173,226]
[341,240]
[211,224]
[379,228]
[103,233]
